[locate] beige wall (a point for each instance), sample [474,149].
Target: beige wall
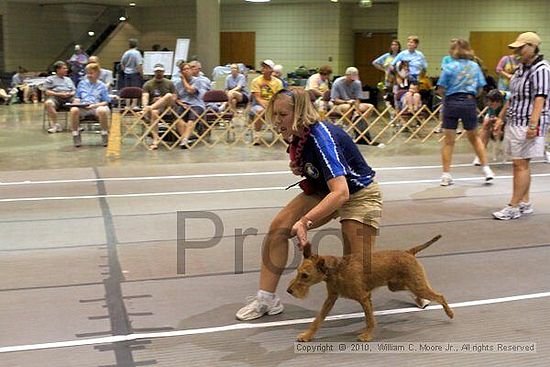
[439,21]
[381,17]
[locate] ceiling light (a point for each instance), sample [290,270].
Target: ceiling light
[132,4]
[257,1]
[365,3]
[333,1]
[91,33]
[122,18]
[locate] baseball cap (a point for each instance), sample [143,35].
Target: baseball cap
[158,67]
[353,72]
[526,38]
[269,63]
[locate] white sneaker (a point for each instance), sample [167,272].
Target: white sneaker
[476,162]
[509,212]
[55,129]
[526,208]
[257,308]
[446,179]
[489,174]
[547,154]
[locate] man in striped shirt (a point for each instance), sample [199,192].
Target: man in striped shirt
[527,118]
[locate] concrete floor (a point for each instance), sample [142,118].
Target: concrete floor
[88,251]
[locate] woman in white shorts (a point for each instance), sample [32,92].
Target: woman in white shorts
[527,117]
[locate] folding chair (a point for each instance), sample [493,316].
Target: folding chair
[129,100]
[214,117]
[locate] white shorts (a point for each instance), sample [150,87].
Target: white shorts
[517,146]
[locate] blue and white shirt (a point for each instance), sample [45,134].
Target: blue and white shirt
[91,93]
[329,152]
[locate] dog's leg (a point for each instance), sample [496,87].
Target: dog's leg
[327,306]
[369,319]
[422,289]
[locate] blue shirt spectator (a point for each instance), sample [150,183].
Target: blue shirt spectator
[131,61]
[201,84]
[342,89]
[416,59]
[91,93]
[232,82]
[461,76]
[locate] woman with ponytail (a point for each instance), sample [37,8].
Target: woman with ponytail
[338,183]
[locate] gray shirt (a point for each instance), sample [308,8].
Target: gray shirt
[240,80]
[130,60]
[201,84]
[344,90]
[59,84]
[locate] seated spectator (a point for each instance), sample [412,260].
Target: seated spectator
[20,87]
[78,63]
[346,93]
[93,96]
[278,73]
[190,88]
[320,83]
[59,90]
[263,88]
[236,88]
[411,100]
[159,93]
[105,76]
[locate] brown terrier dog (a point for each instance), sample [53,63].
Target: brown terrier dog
[348,277]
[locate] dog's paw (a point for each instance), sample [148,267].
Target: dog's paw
[365,337]
[304,337]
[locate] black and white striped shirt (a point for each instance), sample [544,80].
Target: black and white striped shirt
[528,82]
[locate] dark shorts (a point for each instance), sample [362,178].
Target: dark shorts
[59,102]
[192,113]
[460,106]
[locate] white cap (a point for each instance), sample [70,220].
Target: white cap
[269,63]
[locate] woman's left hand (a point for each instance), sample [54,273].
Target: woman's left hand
[299,229]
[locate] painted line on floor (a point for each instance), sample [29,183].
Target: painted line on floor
[227,191]
[213,175]
[247,326]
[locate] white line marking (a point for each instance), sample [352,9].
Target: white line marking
[208,175]
[244,325]
[225,191]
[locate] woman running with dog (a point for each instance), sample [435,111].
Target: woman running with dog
[338,183]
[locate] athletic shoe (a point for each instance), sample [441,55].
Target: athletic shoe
[547,154]
[446,179]
[489,174]
[526,208]
[507,213]
[257,308]
[55,129]
[476,162]
[77,140]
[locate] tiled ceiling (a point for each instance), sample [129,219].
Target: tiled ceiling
[149,3]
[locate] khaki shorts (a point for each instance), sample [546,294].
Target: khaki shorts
[517,146]
[365,206]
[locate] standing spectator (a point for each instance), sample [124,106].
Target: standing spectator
[131,65]
[236,88]
[416,59]
[460,81]
[93,96]
[505,69]
[527,117]
[78,62]
[383,63]
[263,88]
[159,93]
[59,90]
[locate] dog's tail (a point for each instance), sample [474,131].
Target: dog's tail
[415,250]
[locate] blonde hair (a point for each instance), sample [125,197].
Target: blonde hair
[93,67]
[415,39]
[460,49]
[305,113]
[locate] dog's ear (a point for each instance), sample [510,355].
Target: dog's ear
[321,265]
[307,251]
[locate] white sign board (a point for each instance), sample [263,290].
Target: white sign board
[150,58]
[182,52]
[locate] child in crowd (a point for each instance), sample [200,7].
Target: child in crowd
[495,101]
